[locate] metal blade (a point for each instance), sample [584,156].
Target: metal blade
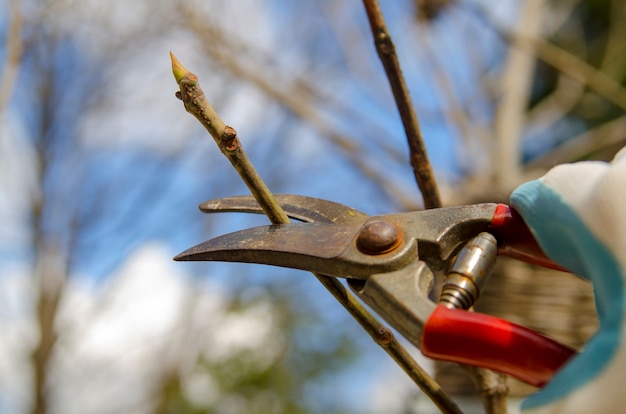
[302,208]
[328,249]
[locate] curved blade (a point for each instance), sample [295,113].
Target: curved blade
[328,249]
[302,208]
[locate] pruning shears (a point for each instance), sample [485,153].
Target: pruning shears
[390,262]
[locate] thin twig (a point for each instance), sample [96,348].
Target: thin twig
[422,168]
[386,340]
[225,137]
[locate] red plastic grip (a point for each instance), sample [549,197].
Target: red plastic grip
[515,238]
[481,340]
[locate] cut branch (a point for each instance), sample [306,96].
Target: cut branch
[422,168]
[226,139]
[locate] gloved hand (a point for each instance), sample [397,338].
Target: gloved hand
[577,213]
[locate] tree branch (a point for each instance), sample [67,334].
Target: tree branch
[226,139]
[422,169]
[13,49]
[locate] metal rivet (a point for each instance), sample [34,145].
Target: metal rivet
[378,237]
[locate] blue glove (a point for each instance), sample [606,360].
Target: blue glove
[577,213]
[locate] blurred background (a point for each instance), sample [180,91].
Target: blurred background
[101,172]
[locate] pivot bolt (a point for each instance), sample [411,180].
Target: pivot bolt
[378,237]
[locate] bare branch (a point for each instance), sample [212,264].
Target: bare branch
[419,157]
[13,51]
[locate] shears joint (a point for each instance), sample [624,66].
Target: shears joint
[390,262]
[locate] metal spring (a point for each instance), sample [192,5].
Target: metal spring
[470,272]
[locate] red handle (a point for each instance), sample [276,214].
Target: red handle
[516,240]
[481,340]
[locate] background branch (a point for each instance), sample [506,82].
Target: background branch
[13,48]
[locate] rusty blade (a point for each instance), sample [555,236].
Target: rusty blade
[302,208]
[328,249]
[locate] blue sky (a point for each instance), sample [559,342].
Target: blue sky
[134,166]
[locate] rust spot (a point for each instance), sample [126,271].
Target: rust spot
[229,138]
